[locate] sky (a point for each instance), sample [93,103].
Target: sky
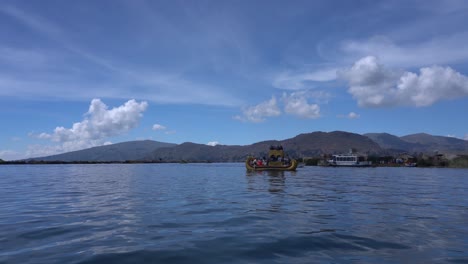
[79,74]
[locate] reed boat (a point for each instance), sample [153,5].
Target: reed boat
[277,161]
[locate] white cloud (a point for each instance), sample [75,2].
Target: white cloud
[466,136]
[157,127]
[99,124]
[116,80]
[212,143]
[353,115]
[10,155]
[298,81]
[373,85]
[32,21]
[296,104]
[258,113]
[439,50]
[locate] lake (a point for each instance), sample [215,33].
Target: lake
[219,213]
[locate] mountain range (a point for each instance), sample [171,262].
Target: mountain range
[421,142]
[303,145]
[131,150]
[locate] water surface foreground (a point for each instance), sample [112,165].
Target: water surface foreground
[219,213]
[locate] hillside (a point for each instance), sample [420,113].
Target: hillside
[421,142]
[316,143]
[303,145]
[311,144]
[430,143]
[198,152]
[393,143]
[131,150]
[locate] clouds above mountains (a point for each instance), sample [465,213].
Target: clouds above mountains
[100,123]
[257,113]
[443,49]
[306,64]
[295,103]
[374,85]
[74,69]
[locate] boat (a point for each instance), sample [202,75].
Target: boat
[277,161]
[348,160]
[411,164]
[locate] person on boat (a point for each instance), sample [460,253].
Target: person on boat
[259,162]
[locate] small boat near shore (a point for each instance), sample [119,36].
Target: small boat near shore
[276,161]
[348,160]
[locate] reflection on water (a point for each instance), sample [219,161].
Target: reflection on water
[218,213]
[276,179]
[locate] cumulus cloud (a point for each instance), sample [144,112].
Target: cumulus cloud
[373,85]
[212,143]
[157,127]
[296,104]
[258,112]
[99,124]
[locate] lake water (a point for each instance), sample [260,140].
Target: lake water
[219,213]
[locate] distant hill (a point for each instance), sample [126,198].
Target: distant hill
[198,152]
[430,143]
[393,143]
[303,145]
[310,144]
[316,143]
[421,142]
[131,150]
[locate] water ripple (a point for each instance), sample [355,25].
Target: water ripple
[217,213]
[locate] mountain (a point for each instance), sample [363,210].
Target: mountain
[310,144]
[316,143]
[131,150]
[421,142]
[198,152]
[303,145]
[432,143]
[393,143]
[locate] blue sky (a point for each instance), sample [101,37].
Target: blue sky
[78,74]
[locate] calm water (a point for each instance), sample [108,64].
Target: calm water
[218,213]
